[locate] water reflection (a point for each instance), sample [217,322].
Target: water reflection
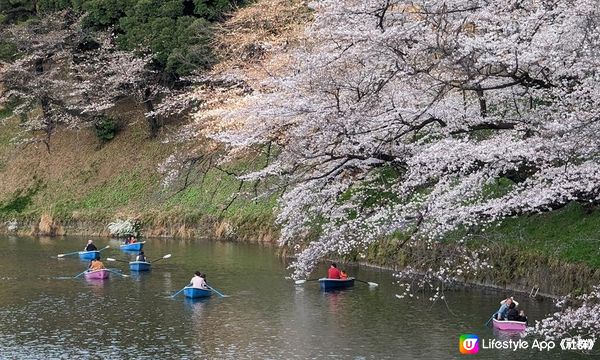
[97,286]
[266,317]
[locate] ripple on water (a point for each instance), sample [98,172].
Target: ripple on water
[42,317]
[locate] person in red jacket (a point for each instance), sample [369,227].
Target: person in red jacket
[333,272]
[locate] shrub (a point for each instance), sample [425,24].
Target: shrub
[123,228]
[106,128]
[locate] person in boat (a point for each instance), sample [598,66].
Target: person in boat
[333,272]
[96,264]
[132,240]
[503,310]
[199,281]
[513,313]
[522,317]
[343,275]
[90,246]
[140,257]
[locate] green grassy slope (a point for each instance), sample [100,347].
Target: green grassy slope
[83,181]
[571,234]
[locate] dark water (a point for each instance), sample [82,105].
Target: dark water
[44,316]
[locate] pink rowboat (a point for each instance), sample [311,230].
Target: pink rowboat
[509,325]
[97,274]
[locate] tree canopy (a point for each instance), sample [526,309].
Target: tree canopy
[176,32]
[428,117]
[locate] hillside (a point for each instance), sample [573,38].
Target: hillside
[82,180]
[82,183]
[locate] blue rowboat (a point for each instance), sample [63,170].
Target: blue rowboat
[89,255]
[330,284]
[136,246]
[194,293]
[139,266]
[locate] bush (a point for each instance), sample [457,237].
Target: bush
[124,228]
[8,51]
[106,128]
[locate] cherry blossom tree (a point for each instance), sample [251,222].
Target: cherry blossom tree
[578,317]
[426,117]
[67,76]
[38,80]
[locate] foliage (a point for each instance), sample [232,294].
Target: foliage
[179,43]
[66,76]
[106,128]
[20,200]
[35,82]
[579,318]
[176,32]
[123,228]
[12,11]
[8,51]
[459,99]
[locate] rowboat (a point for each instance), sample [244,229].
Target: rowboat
[89,255]
[330,284]
[508,325]
[97,274]
[136,246]
[139,266]
[194,293]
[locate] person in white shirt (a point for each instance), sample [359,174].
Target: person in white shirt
[199,281]
[140,257]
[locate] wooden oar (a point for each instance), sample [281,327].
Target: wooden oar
[372,284]
[490,319]
[81,273]
[116,272]
[177,293]
[111,259]
[77,252]
[164,257]
[67,254]
[217,291]
[300,282]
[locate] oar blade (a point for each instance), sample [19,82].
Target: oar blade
[373,284]
[67,254]
[218,292]
[118,273]
[111,259]
[299,282]
[166,256]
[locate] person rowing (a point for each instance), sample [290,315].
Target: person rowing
[199,281]
[90,246]
[96,264]
[140,257]
[333,272]
[502,312]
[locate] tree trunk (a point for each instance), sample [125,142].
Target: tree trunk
[47,121]
[152,119]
